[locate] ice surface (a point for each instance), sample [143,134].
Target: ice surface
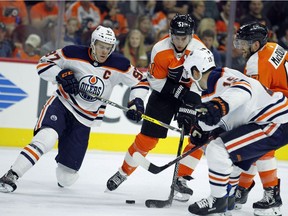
[39,195]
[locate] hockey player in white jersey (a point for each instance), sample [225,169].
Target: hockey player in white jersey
[67,116]
[254,119]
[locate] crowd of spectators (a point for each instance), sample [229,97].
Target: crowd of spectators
[28,28]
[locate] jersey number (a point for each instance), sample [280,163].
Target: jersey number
[53,56]
[137,74]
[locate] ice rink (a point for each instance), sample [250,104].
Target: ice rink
[39,195]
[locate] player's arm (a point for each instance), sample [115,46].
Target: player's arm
[51,68]
[50,65]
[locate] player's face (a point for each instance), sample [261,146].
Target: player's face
[180,42]
[102,51]
[244,46]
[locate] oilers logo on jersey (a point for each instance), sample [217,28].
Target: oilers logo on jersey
[92,85]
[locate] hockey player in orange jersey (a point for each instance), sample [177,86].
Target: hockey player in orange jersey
[268,63]
[171,88]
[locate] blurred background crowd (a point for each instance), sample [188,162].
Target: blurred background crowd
[30,29]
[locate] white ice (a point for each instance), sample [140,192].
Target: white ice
[38,193]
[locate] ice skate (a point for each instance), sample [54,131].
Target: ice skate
[210,206]
[8,182]
[241,196]
[271,202]
[118,178]
[182,192]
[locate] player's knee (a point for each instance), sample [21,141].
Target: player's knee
[145,143]
[65,175]
[45,139]
[217,156]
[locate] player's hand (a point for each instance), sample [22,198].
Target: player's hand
[186,117]
[136,109]
[68,81]
[175,74]
[211,112]
[198,137]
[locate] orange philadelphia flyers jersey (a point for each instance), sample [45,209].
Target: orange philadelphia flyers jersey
[164,57]
[270,66]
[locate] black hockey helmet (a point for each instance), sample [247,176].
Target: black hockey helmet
[253,31]
[182,25]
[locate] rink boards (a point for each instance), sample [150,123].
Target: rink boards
[22,95]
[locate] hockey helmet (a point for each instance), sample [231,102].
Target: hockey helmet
[201,59]
[182,25]
[105,35]
[251,32]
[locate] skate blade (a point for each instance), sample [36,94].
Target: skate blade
[181,197]
[268,212]
[238,206]
[5,188]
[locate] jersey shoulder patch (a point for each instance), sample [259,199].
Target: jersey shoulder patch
[76,52]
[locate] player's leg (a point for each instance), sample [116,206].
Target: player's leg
[51,123]
[271,201]
[246,183]
[72,147]
[186,167]
[159,108]
[220,168]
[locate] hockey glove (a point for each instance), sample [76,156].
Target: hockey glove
[180,92]
[68,81]
[136,109]
[175,74]
[199,137]
[186,117]
[211,112]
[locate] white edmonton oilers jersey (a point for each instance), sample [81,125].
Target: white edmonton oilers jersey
[94,79]
[248,100]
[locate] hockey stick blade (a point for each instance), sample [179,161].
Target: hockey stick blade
[151,203]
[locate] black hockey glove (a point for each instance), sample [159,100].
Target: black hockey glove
[211,112]
[136,109]
[186,116]
[68,81]
[175,74]
[199,137]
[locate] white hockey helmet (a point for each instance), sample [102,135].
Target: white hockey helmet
[202,59]
[105,35]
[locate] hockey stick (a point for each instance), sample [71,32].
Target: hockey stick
[143,116]
[146,164]
[152,203]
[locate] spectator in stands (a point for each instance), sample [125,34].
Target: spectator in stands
[31,49]
[197,12]
[283,40]
[6,47]
[115,19]
[208,37]
[12,14]
[134,49]
[88,15]
[71,31]
[144,25]
[223,20]
[44,14]
[255,13]
[51,44]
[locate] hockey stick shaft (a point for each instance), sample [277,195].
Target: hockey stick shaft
[143,116]
[146,164]
[166,203]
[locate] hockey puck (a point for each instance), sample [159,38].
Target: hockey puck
[130,201]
